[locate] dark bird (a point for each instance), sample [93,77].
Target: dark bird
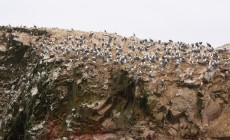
[91,34]
[124,39]
[197,44]
[209,45]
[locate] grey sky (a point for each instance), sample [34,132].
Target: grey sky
[179,20]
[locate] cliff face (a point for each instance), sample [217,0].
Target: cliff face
[65,84]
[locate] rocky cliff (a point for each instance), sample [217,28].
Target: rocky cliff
[68,84]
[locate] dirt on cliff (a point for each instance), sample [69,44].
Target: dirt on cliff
[68,84]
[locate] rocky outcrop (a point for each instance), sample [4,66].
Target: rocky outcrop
[66,84]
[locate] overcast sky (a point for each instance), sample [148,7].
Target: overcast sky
[180,20]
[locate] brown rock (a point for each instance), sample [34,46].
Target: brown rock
[109,125]
[211,111]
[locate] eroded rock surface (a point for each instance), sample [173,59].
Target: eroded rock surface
[66,84]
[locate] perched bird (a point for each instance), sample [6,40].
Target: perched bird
[91,34]
[201,85]
[209,45]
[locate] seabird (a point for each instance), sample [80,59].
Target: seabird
[73,110]
[197,44]
[177,64]
[209,45]
[124,39]
[190,75]
[91,34]
[95,63]
[201,85]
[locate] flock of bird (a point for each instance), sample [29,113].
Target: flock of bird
[140,58]
[137,56]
